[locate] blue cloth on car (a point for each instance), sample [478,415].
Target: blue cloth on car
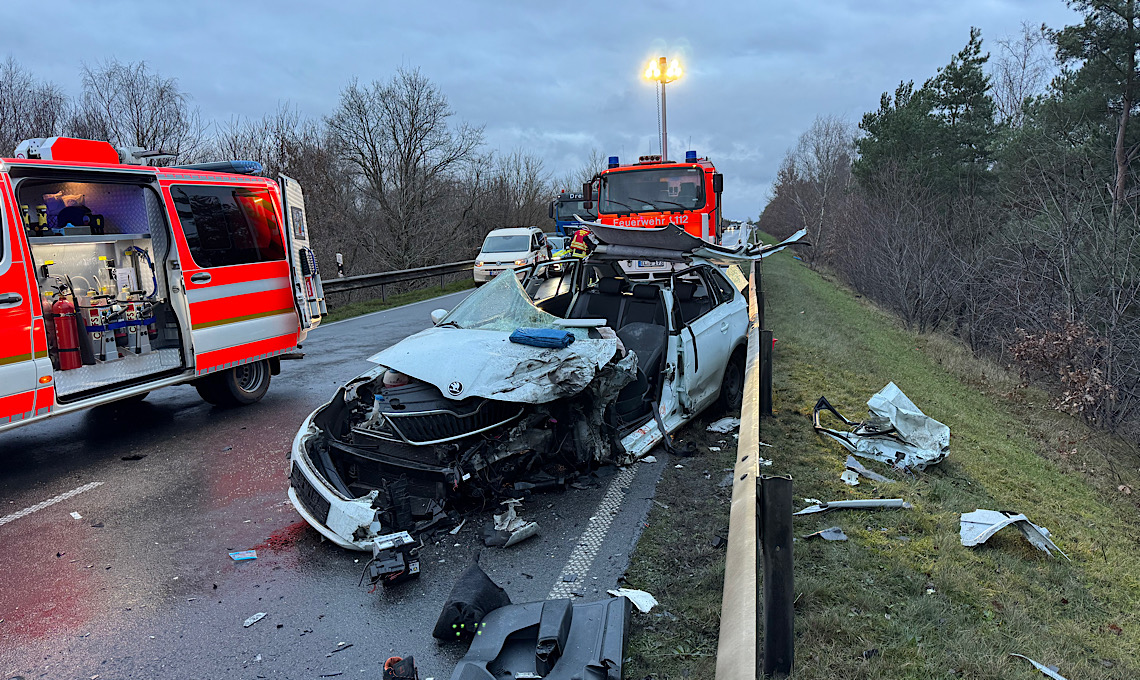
[542,337]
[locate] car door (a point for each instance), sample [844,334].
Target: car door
[705,340]
[18,309]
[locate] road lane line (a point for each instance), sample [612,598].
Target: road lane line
[582,557]
[49,502]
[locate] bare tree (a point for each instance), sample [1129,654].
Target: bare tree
[818,172]
[1022,69]
[128,105]
[29,108]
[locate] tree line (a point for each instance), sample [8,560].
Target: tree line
[392,178]
[997,201]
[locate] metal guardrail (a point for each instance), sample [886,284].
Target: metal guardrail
[756,631]
[347,283]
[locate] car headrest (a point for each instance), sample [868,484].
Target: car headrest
[645,291]
[684,290]
[610,286]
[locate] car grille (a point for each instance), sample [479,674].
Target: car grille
[432,427]
[315,504]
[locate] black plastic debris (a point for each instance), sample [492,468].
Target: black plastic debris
[473,596]
[394,559]
[401,668]
[555,640]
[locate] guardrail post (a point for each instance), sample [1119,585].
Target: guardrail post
[774,503]
[765,373]
[383,293]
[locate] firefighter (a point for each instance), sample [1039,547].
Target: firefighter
[578,246]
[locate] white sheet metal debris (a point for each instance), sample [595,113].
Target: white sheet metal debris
[978,526]
[853,465]
[509,522]
[829,534]
[850,478]
[724,425]
[253,619]
[869,503]
[649,459]
[76,515]
[1049,671]
[640,599]
[896,432]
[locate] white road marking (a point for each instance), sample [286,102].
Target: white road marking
[582,557]
[391,309]
[49,502]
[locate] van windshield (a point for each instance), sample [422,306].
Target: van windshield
[519,243]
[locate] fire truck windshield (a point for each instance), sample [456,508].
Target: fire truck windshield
[653,190]
[566,210]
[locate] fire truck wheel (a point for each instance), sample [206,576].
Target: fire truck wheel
[238,386]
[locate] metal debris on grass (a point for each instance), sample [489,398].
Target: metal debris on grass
[854,465]
[850,478]
[896,431]
[724,425]
[978,526]
[870,503]
[1050,671]
[640,599]
[829,534]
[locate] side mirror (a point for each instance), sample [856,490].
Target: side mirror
[437,316]
[551,211]
[588,205]
[718,183]
[588,191]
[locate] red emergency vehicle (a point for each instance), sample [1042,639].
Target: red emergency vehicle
[117,279]
[654,193]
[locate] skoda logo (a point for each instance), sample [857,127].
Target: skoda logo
[455,388]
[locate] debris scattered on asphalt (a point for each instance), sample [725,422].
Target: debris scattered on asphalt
[1050,671]
[829,534]
[850,478]
[724,425]
[978,526]
[640,599]
[896,432]
[569,578]
[678,467]
[253,619]
[134,456]
[227,448]
[473,596]
[509,529]
[76,515]
[97,525]
[340,647]
[852,505]
[649,459]
[257,659]
[394,559]
[853,465]
[458,527]
[243,555]
[397,668]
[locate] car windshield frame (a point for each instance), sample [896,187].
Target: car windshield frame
[502,305]
[522,241]
[637,191]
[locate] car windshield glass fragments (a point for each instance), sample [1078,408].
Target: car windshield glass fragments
[501,305]
[895,432]
[653,190]
[519,243]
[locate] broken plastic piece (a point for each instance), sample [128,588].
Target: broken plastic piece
[458,527]
[829,534]
[76,515]
[896,432]
[473,596]
[640,599]
[853,465]
[401,668]
[509,528]
[649,459]
[393,560]
[864,504]
[724,425]
[243,555]
[850,478]
[1052,673]
[253,619]
[978,526]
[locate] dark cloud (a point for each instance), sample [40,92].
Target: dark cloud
[556,79]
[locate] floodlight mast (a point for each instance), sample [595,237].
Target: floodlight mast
[662,71]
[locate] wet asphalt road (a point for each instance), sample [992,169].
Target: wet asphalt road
[142,586]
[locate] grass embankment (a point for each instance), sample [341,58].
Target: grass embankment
[367,306]
[902,598]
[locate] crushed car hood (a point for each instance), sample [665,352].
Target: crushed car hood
[465,363]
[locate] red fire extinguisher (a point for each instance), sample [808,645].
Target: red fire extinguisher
[66,334]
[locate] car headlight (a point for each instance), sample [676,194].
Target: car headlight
[520,262]
[478,263]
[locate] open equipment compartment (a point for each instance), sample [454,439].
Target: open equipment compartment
[99,247]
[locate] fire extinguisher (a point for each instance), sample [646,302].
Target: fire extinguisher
[66,334]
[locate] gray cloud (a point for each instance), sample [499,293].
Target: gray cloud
[556,79]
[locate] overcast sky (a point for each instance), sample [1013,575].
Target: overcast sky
[557,79]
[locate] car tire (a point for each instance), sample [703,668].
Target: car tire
[732,384]
[237,386]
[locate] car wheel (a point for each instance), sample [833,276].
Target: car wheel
[237,386]
[732,385]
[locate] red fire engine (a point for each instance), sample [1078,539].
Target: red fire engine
[654,193]
[117,279]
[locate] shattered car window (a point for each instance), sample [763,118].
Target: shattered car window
[501,305]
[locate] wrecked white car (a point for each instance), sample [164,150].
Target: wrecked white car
[471,411]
